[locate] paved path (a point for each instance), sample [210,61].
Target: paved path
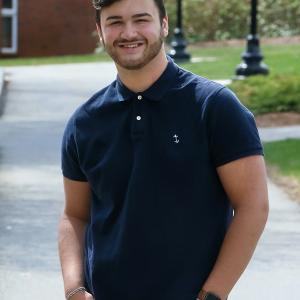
[39,101]
[279,133]
[2,90]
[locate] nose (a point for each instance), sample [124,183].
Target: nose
[129,32]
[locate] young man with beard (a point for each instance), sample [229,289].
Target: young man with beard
[154,166]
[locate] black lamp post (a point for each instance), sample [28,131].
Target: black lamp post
[178,43]
[252,59]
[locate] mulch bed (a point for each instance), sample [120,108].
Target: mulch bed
[278,119]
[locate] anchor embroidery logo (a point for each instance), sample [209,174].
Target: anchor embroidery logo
[176,140]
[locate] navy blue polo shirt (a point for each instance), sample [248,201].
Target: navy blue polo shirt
[158,210]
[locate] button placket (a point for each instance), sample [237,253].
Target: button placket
[138,115]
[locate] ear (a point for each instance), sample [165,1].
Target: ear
[99,31]
[165,26]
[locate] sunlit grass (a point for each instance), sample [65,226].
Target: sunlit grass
[281,59]
[285,156]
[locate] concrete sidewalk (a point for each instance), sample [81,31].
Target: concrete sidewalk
[274,271]
[39,101]
[1,79]
[1,90]
[279,133]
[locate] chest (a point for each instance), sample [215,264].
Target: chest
[147,139]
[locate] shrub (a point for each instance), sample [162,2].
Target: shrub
[275,93]
[220,20]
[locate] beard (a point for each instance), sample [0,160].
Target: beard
[149,53]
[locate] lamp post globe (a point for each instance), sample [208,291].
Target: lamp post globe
[252,63]
[178,43]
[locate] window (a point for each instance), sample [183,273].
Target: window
[6,32]
[9,35]
[7,4]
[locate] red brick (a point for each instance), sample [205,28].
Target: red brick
[0,27]
[55,27]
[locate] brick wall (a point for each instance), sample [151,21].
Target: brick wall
[0,27]
[55,27]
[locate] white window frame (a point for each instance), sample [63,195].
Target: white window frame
[13,14]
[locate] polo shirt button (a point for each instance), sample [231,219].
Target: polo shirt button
[140,97]
[139,118]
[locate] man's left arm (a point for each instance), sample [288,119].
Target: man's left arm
[244,181]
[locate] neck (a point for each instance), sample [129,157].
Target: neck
[140,80]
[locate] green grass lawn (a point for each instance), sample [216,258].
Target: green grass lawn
[285,156]
[64,59]
[280,59]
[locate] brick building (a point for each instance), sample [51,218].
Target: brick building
[47,27]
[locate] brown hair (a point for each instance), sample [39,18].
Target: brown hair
[99,4]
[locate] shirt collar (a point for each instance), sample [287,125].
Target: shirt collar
[156,91]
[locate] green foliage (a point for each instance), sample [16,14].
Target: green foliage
[220,20]
[285,156]
[279,18]
[275,93]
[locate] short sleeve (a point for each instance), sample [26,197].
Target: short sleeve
[70,163]
[232,131]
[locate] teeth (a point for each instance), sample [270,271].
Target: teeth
[130,46]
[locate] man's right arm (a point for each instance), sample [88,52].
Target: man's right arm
[71,235]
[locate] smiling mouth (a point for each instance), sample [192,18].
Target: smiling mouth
[130,46]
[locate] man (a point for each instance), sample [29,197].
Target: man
[154,166]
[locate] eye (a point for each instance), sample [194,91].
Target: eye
[115,23]
[142,20]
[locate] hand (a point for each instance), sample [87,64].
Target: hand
[82,296]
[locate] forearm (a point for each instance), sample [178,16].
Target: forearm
[70,242]
[236,251]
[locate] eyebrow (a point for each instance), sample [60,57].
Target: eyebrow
[113,18]
[141,15]
[134,16]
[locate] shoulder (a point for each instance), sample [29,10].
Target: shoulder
[202,91]
[102,99]
[209,96]
[226,103]
[95,104]
[202,87]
